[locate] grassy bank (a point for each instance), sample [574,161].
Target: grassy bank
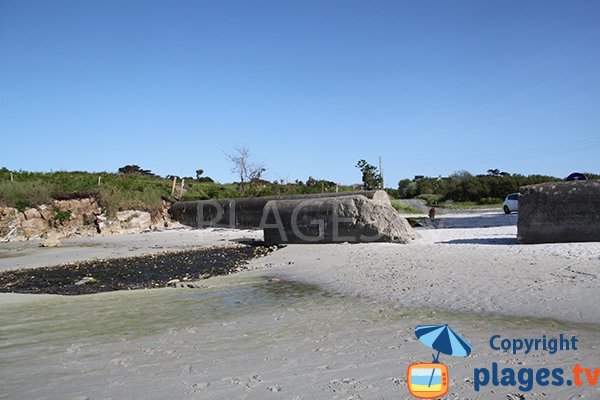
[403,208]
[117,192]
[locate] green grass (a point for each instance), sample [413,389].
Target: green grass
[25,194]
[118,192]
[115,192]
[465,205]
[431,199]
[436,200]
[403,208]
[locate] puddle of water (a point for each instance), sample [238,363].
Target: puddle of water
[47,327]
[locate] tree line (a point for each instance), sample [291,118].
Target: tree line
[490,188]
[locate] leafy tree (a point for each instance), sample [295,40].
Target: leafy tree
[407,188]
[135,170]
[371,177]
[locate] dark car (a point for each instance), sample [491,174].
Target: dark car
[576,176]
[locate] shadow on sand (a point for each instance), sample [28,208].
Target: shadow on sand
[495,241]
[483,221]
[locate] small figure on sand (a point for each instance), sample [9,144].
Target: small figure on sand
[432,213]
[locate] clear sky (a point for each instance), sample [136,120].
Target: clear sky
[310,87]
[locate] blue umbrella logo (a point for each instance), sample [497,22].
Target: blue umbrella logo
[444,340]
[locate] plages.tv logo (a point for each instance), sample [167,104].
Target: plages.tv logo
[430,380]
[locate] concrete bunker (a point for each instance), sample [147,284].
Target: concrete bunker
[318,218]
[556,212]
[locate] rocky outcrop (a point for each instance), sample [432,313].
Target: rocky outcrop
[81,217]
[334,220]
[559,212]
[76,216]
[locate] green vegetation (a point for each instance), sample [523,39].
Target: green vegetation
[136,190]
[470,190]
[371,176]
[62,216]
[403,208]
[467,205]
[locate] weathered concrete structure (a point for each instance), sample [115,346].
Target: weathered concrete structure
[559,212]
[245,212]
[320,218]
[351,219]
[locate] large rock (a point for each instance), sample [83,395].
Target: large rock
[559,212]
[106,226]
[34,227]
[46,212]
[135,220]
[51,240]
[32,213]
[10,223]
[334,220]
[246,212]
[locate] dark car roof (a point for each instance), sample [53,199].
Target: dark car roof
[576,176]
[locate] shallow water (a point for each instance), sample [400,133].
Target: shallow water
[117,316]
[238,327]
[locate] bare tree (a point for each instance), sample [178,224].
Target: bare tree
[243,167]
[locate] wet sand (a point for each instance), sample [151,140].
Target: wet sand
[249,336]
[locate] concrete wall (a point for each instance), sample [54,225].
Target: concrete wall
[246,212]
[559,212]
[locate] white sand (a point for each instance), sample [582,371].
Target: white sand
[479,270]
[247,336]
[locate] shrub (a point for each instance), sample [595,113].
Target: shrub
[490,200]
[62,216]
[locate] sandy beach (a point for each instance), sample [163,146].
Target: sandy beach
[307,321]
[295,200]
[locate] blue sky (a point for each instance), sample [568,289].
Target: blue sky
[310,87]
